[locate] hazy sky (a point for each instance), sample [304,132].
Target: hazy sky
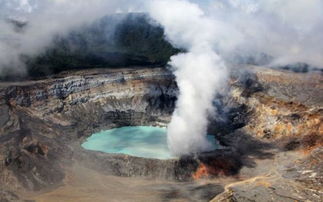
[289,30]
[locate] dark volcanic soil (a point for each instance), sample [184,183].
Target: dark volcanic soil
[269,123]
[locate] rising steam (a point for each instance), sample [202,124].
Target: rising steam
[199,73]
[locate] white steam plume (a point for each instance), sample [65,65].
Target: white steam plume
[199,73]
[290,31]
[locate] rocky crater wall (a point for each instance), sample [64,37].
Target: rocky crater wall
[42,120]
[42,123]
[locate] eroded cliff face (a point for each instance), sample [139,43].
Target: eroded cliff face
[264,113]
[94,98]
[281,104]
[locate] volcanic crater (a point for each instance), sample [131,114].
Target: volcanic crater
[268,123]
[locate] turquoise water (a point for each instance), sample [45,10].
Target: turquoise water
[141,141]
